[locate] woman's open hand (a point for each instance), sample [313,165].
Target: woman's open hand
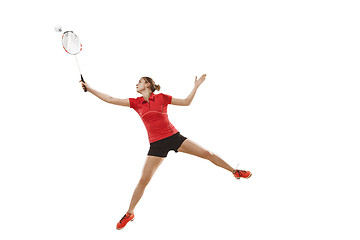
[199,81]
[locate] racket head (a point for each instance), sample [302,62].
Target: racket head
[71,43]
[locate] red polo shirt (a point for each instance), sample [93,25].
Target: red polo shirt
[154,115]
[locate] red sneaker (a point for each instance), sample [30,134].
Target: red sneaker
[125,219]
[242,174]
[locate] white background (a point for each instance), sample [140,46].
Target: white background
[281,98]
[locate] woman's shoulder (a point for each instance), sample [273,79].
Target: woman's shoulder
[161,94]
[136,98]
[163,98]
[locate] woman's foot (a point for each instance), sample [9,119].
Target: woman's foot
[125,219]
[241,174]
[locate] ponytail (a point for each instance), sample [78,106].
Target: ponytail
[157,87]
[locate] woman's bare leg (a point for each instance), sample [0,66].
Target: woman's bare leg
[192,148]
[151,165]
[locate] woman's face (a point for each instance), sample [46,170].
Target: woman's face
[141,85]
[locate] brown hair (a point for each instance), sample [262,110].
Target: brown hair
[153,86]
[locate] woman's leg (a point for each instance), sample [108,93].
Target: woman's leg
[151,164]
[192,148]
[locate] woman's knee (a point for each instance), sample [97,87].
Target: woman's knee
[143,182]
[207,154]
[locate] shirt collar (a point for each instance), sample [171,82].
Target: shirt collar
[152,96]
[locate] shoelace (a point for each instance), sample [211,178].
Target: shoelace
[242,171]
[123,218]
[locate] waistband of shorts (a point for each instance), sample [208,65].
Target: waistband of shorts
[164,139]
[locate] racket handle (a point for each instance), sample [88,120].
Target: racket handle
[82,79]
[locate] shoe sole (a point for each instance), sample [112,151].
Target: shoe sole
[125,225]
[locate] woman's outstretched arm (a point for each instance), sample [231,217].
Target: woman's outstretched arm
[105,97]
[187,101]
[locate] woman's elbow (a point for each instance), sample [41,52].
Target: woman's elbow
[187,103]
[110,100]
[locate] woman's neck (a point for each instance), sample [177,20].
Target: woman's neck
[146,95]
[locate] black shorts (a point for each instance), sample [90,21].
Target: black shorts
[162,147]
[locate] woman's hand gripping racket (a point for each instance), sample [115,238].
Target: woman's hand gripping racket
[72,45]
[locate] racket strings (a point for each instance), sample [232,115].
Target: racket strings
[71,43]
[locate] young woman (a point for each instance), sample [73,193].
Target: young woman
[163,136]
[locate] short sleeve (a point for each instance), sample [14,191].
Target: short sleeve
[133,103]
[166,98]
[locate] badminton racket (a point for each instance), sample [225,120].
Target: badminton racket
[72,45]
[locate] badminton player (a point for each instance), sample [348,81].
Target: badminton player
[163,136]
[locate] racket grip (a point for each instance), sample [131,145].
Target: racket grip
[82,79]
